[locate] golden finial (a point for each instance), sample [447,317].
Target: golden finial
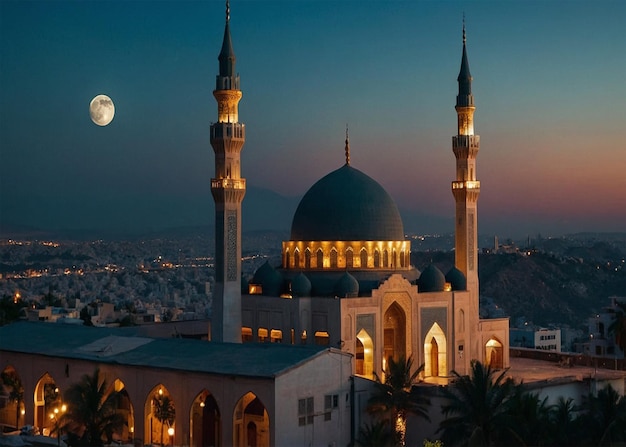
[347,147]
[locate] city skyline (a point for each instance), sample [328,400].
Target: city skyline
[548,85]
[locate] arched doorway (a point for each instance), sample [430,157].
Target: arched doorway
[159,416]
[125,408]
[364,355]
[251,423]
[47,400]
[435,347]
[12,414]
[493,354]
[205,420]
[394,333]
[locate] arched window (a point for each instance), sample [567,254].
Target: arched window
[385,259]
[296,258]
[287,259]
[376,259]
[349,258]
[320,259]
[402,259]
[307,258]
[363,258]
[333,258]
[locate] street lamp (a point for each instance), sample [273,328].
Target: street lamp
[170,432]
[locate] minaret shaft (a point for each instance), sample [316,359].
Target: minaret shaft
[466,188]
[228,190]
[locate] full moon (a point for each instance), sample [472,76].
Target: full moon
[101,110]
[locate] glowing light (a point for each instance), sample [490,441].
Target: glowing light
[202,404]
[170,431]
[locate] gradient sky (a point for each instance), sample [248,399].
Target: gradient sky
[549,86]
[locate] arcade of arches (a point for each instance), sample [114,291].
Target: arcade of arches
[250,419]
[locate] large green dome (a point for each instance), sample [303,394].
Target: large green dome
[347,205]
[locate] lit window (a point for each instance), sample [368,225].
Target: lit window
[322,338]
[276,336]
[246,334]
[262,335]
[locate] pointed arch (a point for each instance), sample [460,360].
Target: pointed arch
[385,258]
[205,421]
[12,387]
[403,259]
[126,409]
[296,258]
[363,255]
[364,354]
[435,352]
[47,397]
[394,332]
[287,260]
[494,353]
[251,422]
[349,258]
[307,258]
[319,258]
[159,415]
[333,258]
[376,258]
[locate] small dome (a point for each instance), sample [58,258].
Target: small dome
[300,285]
[457,279]
[347,286]
[431,280]
[271,281]
[347,205]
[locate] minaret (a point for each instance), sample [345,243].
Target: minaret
[228,189]
[466,188]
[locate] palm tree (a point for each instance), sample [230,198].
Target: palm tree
[396,397]
[562,415]
[618,325]
[164,411]
[528,421]
[475,408]
[377,434]
[12,381]
[604,415]
[91,410]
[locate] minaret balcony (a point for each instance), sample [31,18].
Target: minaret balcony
[228,183]
[470,141]
[228,130]
[467,184]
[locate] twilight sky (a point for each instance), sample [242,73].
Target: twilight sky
[549,85]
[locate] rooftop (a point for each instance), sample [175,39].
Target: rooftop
[124,346]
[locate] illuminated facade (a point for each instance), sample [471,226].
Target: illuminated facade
[228,190]
[346,280]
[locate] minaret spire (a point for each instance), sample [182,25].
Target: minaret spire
[466,188]
[347,147]
[228,189]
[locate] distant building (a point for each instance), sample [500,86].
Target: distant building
[536,338]
[601,343]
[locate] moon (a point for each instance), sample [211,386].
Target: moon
[101,110]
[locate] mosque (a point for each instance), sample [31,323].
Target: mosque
[346,278]
[293,349]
